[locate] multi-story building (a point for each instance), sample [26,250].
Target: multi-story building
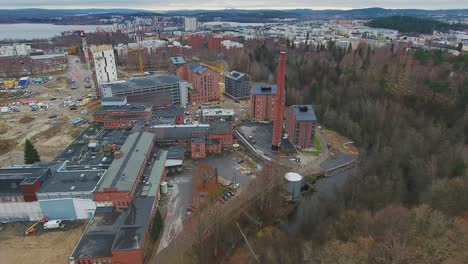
[190,24]
[300,125]
[104,63]
[204,80]
[175,63]
[263,101]
[113,117]
[157,90]
[237,85]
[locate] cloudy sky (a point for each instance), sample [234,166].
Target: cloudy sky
[239,4]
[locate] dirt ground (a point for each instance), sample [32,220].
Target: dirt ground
[50,136]
[44,247]
[338,141]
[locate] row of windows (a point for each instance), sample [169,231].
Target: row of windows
[98,261]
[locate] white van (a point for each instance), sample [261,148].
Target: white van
[53,224]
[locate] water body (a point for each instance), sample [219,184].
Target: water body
[43,31]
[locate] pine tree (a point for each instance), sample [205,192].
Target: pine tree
[30,153]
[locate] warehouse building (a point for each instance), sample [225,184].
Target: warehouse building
[171,115]
[156,90]
[237,85]
[113,117]
[217,115]
[121,236]
[120,181]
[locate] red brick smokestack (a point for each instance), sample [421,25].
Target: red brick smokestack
[279,106]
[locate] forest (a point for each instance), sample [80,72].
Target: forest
[407,24]
[407,110]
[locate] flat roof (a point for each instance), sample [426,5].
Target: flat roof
[168,112]
[72,181]
[130,109]
[114,99]
[176,152]
[177,60]
[178,132]
[220,128]
[304,112]
[151,188]
[217,112]
[123,171]
[235,75]
[21,173]
[262,88]
[143,82]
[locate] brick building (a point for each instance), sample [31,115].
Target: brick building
[113,117]
[263,101]
[301,123]
[175,63]
[204,80]
[196,41]
[171,115]
[237,85]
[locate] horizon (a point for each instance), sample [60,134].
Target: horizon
[211,5]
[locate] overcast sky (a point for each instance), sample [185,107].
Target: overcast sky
[239,4]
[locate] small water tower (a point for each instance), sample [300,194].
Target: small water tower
[293,183]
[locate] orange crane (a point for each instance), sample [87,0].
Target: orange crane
[32,229]
[139,49]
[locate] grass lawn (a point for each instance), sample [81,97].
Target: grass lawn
[317,151]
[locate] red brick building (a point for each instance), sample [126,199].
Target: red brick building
[263,100]
[175,63]
[124,116]
[301,123]
[196,41]
[204,80]
[214,43]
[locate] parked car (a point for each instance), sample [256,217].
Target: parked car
[53,224]
[52,116]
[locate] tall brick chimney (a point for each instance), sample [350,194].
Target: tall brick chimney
[279,105]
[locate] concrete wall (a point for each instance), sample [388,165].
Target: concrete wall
[23,211]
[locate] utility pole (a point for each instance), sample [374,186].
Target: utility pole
[234,175]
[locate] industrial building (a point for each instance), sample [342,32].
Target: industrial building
[175,63]
[199,140]
[104,63]
[175,159]
[171,115]
[204,80]
[113,117]
[116,235]
[300,125]
[263,101]
[157,90]
[209,115]
[237,85]
[121,179]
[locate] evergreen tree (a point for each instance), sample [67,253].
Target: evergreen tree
[30,153]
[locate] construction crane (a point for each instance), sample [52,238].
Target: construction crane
[139,50]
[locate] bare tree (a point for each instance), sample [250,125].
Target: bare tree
[205,172]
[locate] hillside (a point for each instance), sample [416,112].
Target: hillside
[406,24]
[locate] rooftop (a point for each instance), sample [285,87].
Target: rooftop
[176,152]
[123,171]
[304,113]
[235,75]
[114,99]
[220,128]
[177,60]
[261,88]
[177,132]
[129,109]
[143,82]
[72,181]
[197,68]
[168,112]
[217,112]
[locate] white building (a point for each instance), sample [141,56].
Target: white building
[104,63]
[190,23]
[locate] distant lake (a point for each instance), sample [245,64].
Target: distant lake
[32,31]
